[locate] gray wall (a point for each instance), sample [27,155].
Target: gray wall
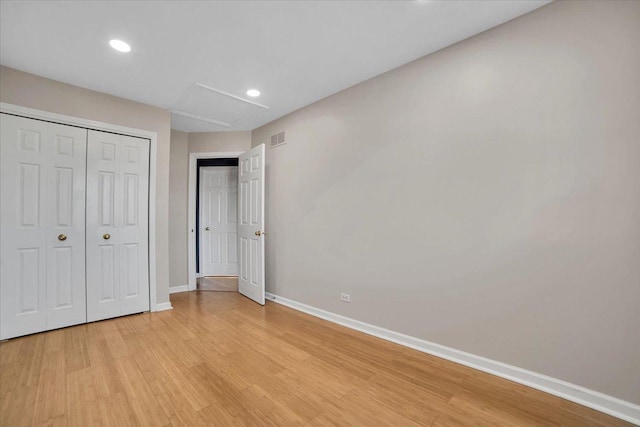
[28,90]
[178,202]
[182,144]
[484,197]
[202,142]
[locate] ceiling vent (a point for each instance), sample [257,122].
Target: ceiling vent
[277,139]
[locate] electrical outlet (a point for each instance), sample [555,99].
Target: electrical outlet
[345,297]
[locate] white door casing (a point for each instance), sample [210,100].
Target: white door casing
[42,173]
[218,221]
[251,223]
[117,224]
[191,207]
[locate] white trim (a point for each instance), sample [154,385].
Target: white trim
[153,156]
[153,196]
[191,210]
[618,408]
[162,306]
[176,289]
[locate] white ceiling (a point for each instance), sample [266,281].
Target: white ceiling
[294,52]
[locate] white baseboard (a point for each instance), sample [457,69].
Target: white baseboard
[599,401]
[176,289]
[162,306]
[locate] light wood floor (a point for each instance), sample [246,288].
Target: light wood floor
[219,359]
[218,284]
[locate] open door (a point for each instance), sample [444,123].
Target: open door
[251,223]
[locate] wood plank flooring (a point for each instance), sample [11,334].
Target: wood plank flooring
[219,359]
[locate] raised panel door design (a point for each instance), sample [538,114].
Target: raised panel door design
[42,193]
[117,224]
[106,198]
[64,146]
[28,283]
[251,224]
[253,262]
[244,259]
[232,245]
[232,204]
[215,202]
[212,220]
[106,279]
[131,199]
[212,239]
[244,202]
[131,270]
[64,197]
[108,151]
[218,222]
[29,140]
[133,154]
[254,201]
[62,277]
[29,188]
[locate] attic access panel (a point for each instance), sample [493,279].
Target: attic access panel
[210,105]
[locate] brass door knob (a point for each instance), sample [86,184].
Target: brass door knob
[106,236]
[260,233]
[62,237]
[207,228]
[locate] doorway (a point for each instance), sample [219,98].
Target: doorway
[216,224]
[250,220]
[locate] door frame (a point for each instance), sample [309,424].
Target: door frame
[191,209]
[32,113]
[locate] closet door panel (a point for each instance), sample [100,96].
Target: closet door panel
[22,234]
[103,210]
[134,278]
[66,287]
[117,225]
[42,284]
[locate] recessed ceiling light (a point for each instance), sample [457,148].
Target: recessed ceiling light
[253,93]
[120,46]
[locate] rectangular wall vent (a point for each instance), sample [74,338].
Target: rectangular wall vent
[277,139]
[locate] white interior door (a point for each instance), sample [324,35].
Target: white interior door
[42,233]
[219,221]
[117,225]
[251,223]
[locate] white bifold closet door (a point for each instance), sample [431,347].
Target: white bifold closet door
[42,232]
[117,224]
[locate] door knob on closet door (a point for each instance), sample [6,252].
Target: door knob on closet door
[207,228]
[62,237]
[106,236]
[259,233]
